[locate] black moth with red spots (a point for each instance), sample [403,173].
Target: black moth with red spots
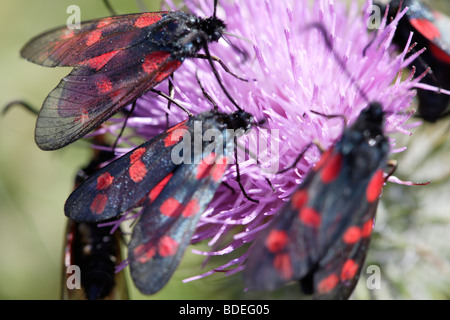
[321,236]
[115,60]
[431,30]
[95,250]
[173,196]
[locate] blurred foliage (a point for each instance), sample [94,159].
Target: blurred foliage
[411,243]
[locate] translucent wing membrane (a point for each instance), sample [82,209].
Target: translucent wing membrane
[87,96]
[72,47]
[320,236]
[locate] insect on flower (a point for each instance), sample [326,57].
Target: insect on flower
[321,236]
[116,60]
[291,81]
[173,194]
[430,30]
[93,249]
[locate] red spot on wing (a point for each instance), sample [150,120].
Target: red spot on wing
[352,235]
[327,284]
[147,19]
[299,199]
[323,159]
[93,37]
[167,246]
[426,28]
[99,203]
[104,181]
[137,171]
[136,155]
[349,270]
[367,228]
[219,168]
[205,166]
[373,190]
[181,125]
[159,187]
[331,168]
[137,168]
[310,217]
[191,208]
[175,135]
[98,62]
[171,208]
[83,117]
[154,60]
[276,240]
[439,54]
[144,252]
[167,70]
[282,263]
[104,22]
[104,86]
[212,166]
[69,33]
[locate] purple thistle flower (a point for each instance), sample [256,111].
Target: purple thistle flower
[290,72]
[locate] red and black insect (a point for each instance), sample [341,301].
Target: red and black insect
[173,194]
[115,59]
[321,236]
[95,250]
[431,30]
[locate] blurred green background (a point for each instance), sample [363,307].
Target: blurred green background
[411,244]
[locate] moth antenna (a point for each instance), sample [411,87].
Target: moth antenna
[21,103]
[235,36]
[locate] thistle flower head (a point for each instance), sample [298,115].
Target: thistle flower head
[290,70]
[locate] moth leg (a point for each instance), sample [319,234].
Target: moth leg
[238,174]
[162,94]
[171,95]
[133,106]
[222,64]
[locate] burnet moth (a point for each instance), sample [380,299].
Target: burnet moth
[321,236]
[431,29]
[173,193]
[95,250]
[116,60]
